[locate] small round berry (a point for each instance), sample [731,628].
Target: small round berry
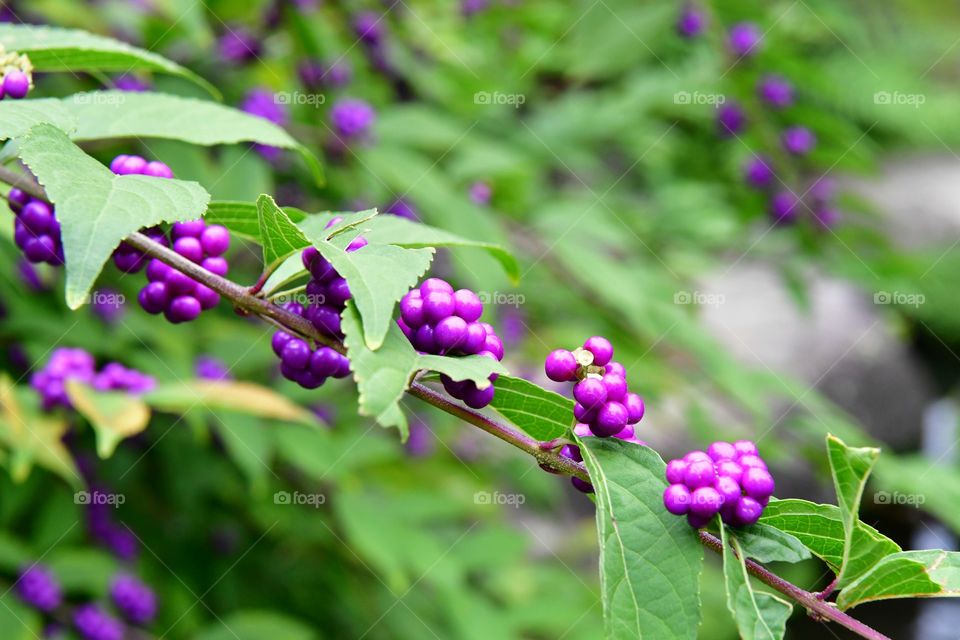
[676,498]
[776,91]
[582,414]
[611,419]
[748,511]
[423,339]
[691,22]
[215,240]
[479,398]
[279,341]
[116,165]
[189,229]
[411,310]
[494,345]
[601,349]
[216,265]
[730,469]
[784,206]
[731,119]
[133,165]
[616,386]
[728,488]
[590,392]
[40,249]
[676,471]
[798,140]
[189,248]
[694,456]
[157,271]
[456,388]
[135,600]
[700,473]
[757,483]
[721,451]
[435,284]
[572,451]
[751,461]
[744,39]
[437,305]
[183,309]
[157,170]
[37,216]
[467,305]
[758,172]
[474,339]
[338,292]
[296,353]
[635,407]
[561,366]
[155,297]
[343,370]
[325,319]
[745,448]
[179,283]
[16,84]
[450,332]
[208,297]
[697,521]
[705,501]
[37,587]
[627,433]
[616,369]
[582,430]
[324,362]
[308,380]
[581,485]
[127,262]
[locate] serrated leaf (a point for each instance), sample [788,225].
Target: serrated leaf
[542,414]
[820,528]
[759,615]
[124,114]
[240,397]
[378,275]
[383,375]
[931,573]
[243,218]
[475,368]
[98,209]
[18,116]
[256,625]
[650,560]
[114,415]
[399,231]
[31,437]
[764,543]
[55,49]
[850,468]
[279,236]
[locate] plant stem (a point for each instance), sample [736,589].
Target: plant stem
[544,452]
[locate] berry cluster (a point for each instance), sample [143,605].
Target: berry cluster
[178,296]
[17,75]
[729,479]
[93,623]
[76,364]
[36,230]
[262,103]
[135,600]
[38,588]
[438,320]
[125,257]
[352,119]
[604,403]
[302,364]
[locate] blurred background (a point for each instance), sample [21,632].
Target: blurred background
[757,202]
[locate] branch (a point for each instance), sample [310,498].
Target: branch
[544,453]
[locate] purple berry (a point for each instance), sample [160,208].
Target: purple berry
[189,248]
[189,229]
[157,170]
[676,498]
[611,418]
[467,305]
[731,119]
[745,448]
[700,473]
[635,408]
[183,309]
[411,310]
[296,353]
[776,91]
[757,483]
[17,199]
[494,345]
[16,84]
[450,332]
[561,366]
[423,339]
[324,362]
[37,216]
[479,398]
[94,624]
[721,451]
[437,305]
[581,485]
[758,172]
[474,339]
[728,488]
[676,471]
[615,368]
[590,393]
[748,511]
[616,386]
[730,469]
[751,461]
[215,240]
[601,349]
[435,284]
[705,502]
[798,140]
[695,456]
[38,588]
[744,39]
[135,600]
[154,297]
[691,22]
[352,118]
[582,414]
[698,521]
[133,165]
[784,206]
[216,265]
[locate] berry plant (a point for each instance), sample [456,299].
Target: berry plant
[180,468]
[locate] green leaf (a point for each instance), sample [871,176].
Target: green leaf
[934,488]
[378,275]
[759,615]
[54,49]
[650,560]
[240,397]
[83,571]
[850,468]
[929,573]
[98,209]
[387,229]
[114,415]
[256,625]
[820,528]
[124,114]
[764,543]
[475,368]
[242,218]
[19,116]
[249,443]
[279,236]
[18,620]
[383,375]
[542,414]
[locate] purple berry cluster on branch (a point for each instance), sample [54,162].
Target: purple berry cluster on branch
[438,320]
[135,601]
[76,364]
[39,588]
[603,401]
[301,363]
[729,478]
[93,623]
[36,230]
